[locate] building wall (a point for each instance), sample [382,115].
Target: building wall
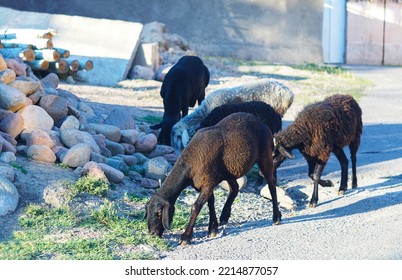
[286,31]
[367,40]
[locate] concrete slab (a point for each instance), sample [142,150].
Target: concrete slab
[110,44]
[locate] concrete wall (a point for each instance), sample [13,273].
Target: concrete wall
[367,43]
[287,31]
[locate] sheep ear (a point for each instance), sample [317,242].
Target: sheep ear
[165,216]
[285,152]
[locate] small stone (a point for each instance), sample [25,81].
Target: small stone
[71,137]
[149,183]
[118,164]
[8,157]
[12,124]
[160,150]
[8,172]
[111,132]
[55,106]
[120,118]
[128,148]
[129,136]
[93,170]
[156,168]
[111,173]
[115,148]
[284,199]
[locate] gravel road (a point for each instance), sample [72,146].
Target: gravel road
[365,223]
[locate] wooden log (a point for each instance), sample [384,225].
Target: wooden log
[63,53]
[25,54]
[7,45]
[49,55]
[35,43]
[74,64]
[39,64]
[86,65]
[60,66]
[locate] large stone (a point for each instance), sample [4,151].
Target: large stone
[36,117]
[39,137]
[25,86]
[284,199]
[11,98]
[120,118]
[160,150]
[6,146]
[115,148]
[70,122]
[8,196]
[242,181]
[55,106]
[41,153]
[129,136]
[12,124]
[7,76]
[3,64]
[91,169]
[8,172]
[146,143]
[71,137]
[77,155]
[8,157]
[156,168]
[111,132]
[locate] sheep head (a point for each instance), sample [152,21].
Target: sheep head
[280,153]
[179,137]
[159,215]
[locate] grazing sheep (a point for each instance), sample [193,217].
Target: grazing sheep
[260,109]
[322,128]
[182,87]
[276,94]
[225,151]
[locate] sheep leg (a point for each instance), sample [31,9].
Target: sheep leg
[270,175]
[316,177]
[311,165]
[213,221]
[353,151]
[227,208]
[340,155]
[195,210]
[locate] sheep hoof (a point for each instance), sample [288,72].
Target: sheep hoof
[277,223]
[213,234]
[184,242]
[312,205]
[326,183]
[341,192]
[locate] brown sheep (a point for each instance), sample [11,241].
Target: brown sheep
[318,130]
[226,151]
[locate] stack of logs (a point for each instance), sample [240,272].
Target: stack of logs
[35,48]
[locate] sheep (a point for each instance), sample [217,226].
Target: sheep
[225,151]
[271,92]
[260,109]
[318,130]
[183,86]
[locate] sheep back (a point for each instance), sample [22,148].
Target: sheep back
[320,127]
[225,151]
[263,111]
[271,92]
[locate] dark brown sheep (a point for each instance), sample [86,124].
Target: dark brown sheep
[318,130]
[183,86]
[226,151]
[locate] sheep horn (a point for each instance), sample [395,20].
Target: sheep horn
[285,152]
[165,216]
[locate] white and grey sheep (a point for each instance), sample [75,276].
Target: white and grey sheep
[226,151]
[279,96]
[263,111]
[183,86]
[318,130]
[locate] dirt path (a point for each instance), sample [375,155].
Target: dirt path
[363,224]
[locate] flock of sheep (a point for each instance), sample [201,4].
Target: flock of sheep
[234,128]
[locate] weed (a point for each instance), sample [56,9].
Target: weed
[91,185]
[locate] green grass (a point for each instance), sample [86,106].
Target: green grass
[151,119]
[91,185]
[19,167]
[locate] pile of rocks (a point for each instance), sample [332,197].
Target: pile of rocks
[166,50]
[48,124]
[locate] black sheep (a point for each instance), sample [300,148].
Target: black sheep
[263,111]
[226,151]
[182,87]
[318,130]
